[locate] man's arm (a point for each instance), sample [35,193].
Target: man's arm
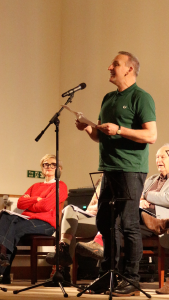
[92,132]
[148,133]
[160,198]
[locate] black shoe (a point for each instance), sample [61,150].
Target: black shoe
[124,288]
[4,261]
[51,258]
[90,249]
[64,256]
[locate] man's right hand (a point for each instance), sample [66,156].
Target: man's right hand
[91,131]
[80,126]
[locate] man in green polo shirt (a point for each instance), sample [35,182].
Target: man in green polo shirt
[126,125]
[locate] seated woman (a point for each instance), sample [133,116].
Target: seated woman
[76,223]
[39,205]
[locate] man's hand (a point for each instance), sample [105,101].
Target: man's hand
[91,131]
[80,126]
[144,203]
[39,198]
[108,128]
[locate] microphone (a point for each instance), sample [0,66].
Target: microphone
[79,87]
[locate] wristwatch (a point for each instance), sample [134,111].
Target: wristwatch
[118,131]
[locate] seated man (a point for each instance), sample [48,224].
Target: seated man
[154,200]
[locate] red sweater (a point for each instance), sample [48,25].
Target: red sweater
[44,209]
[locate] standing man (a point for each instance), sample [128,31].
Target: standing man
[126,125]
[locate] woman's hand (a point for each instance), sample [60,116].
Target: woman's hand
[39,198]
[26,196]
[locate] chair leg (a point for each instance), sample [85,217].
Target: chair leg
[74,269]
[34,261]
[161,259]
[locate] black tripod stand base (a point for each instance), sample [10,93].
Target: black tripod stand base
[112,274]
[95,287]
[56,279]
[37,285]
[3,289]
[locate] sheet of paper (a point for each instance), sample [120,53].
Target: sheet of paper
[76,208]
[80,117]
[14,213]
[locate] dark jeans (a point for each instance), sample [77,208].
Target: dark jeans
[12,228]
[124,185]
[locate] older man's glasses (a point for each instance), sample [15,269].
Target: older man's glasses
[52,165]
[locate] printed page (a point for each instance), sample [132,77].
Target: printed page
[14,213]
[80,117]
[80,210]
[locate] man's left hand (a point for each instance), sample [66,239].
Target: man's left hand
[108,128]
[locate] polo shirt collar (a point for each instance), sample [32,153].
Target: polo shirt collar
[126,91]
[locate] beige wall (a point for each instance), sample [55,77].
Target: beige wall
[30,34]
[94,31]
[50,46]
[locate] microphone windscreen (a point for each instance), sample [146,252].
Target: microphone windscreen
[83,85]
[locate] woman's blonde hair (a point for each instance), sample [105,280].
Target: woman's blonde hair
[48,156]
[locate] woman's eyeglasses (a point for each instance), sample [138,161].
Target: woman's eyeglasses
[52,165]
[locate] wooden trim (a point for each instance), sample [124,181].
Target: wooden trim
[12,196]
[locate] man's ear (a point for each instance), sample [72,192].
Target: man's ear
[129,70]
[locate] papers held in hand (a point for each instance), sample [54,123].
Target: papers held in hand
[80,117]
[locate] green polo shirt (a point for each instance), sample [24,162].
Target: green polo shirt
[130,108]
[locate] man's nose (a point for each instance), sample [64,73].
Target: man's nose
[110,67]
[159,159]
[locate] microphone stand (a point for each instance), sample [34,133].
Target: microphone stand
[57,277]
